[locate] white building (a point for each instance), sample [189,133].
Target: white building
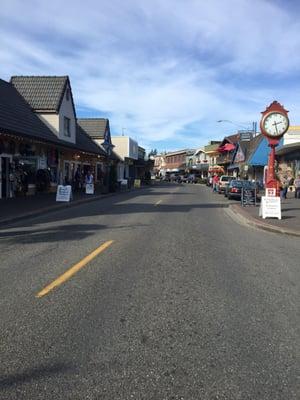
[127,150]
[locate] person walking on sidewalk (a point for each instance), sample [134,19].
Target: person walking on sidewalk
[297,187]
[285,186]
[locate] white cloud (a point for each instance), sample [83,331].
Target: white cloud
[159,67]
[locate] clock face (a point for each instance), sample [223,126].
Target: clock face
[275,124]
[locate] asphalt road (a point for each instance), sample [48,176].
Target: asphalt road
[185,303]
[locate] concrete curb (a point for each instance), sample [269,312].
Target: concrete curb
[246,219]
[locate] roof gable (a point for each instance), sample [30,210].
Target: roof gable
[86,143]
[260,153]
[42,93]
[17,117]
[230,139]
[96,128]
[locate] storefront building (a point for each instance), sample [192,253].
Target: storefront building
[34,156]
[288,154]
[226,151]
[176,161]
[198,164]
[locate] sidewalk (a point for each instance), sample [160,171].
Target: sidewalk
[18,208]
[290,213]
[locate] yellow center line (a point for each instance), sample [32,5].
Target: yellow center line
[157,203]
[73,270]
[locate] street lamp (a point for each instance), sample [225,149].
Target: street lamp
[254,125]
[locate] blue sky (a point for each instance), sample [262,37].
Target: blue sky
[163,72]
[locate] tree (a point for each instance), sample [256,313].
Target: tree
[152,153]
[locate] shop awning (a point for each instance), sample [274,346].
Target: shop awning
[226,147]
[288,148]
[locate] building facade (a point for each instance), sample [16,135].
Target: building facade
[41,144]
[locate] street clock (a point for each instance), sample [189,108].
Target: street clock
[273,125]
[275,121]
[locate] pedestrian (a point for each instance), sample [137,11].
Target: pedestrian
[216,180]
[77,179]
[285,186]
[297,187]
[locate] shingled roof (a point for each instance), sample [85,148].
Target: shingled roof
[84,142]
[42,93]
[94,127]
[232,138]
[17,118]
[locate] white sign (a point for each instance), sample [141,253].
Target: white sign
[270,207]
[64,193]
[42,162]
[89,188]
[124,181]
[270,192]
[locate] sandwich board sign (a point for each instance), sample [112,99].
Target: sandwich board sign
[270,207]
[89,188]
[248,197]
[137,183]
[64,193]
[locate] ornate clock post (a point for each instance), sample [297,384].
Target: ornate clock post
[274,124]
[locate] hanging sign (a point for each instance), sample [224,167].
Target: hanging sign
[64,193]
[89,188]
[270,207]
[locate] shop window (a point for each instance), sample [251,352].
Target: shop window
[28,167]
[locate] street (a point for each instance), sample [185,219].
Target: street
[182,302]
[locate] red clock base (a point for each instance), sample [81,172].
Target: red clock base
[271,181]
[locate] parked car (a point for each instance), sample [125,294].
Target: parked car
[223,182]
[234,189]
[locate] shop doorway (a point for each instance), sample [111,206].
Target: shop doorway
[4,171]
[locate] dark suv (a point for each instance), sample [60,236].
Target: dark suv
[234,189]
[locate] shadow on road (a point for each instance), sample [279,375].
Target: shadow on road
[58,233]
[33,374]
[67,229]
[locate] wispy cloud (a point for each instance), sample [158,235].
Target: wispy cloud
[165,71]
